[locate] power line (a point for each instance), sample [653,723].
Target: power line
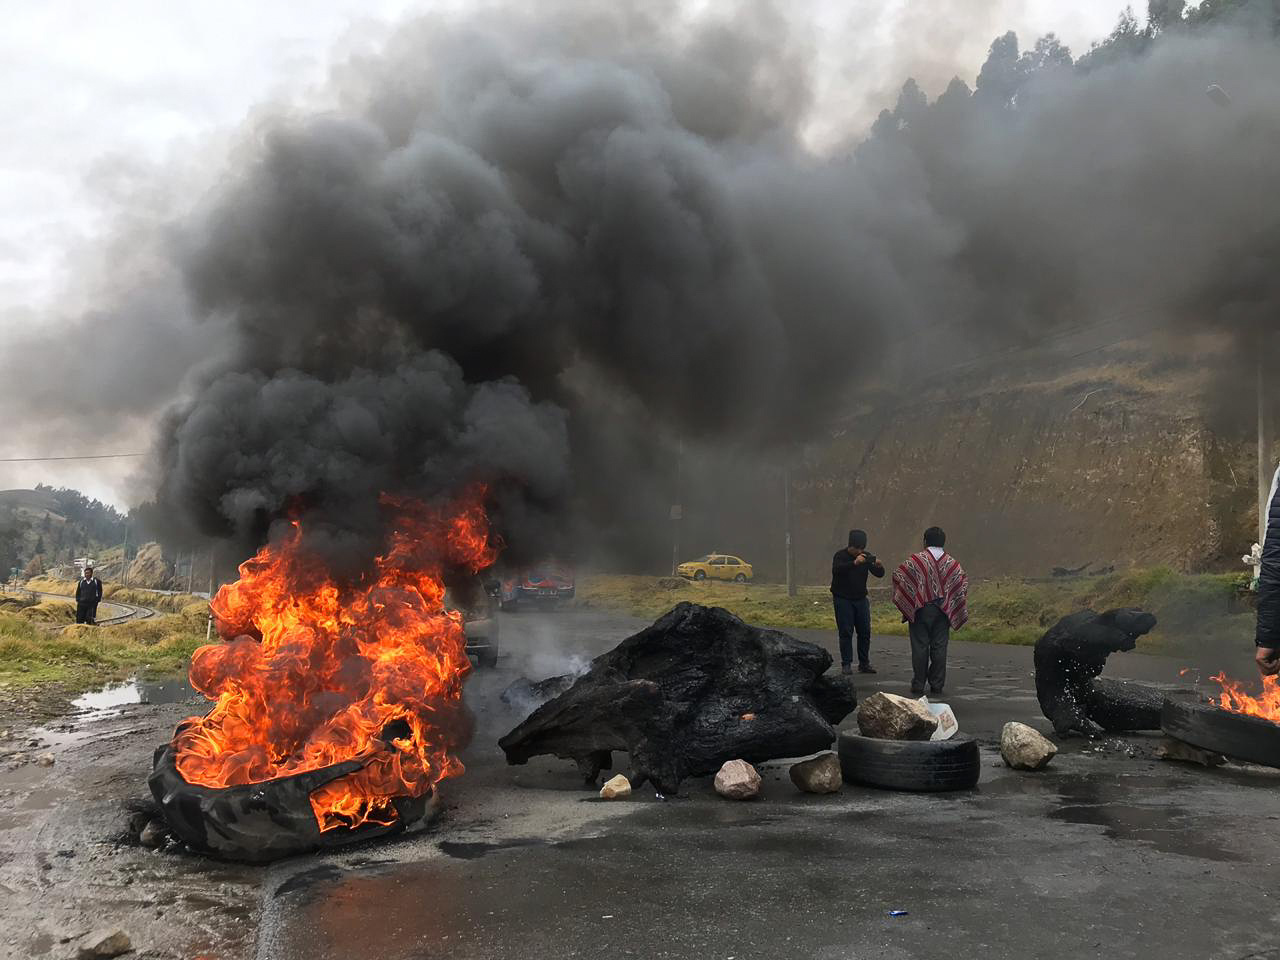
[89,456]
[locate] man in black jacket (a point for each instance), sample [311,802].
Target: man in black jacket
[1268,637]
[88,596]
[849,569]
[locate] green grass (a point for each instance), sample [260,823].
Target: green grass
[1193,610]
[83,657]
[172,603]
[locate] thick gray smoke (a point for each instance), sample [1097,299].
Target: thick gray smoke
[532,250]
[506,221]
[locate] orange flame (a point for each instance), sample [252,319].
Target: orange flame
[312,673]
[1237,700]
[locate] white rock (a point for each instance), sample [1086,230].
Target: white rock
[819,775]
[45,759]
[887,716]
[104,944]
[737,780]
[1023,747]
[616,788]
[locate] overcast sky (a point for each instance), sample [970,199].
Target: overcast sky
[83,84]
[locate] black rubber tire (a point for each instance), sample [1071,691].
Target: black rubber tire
[740,578]
[1208,727]
[930,766]
[487,659]
[700,575]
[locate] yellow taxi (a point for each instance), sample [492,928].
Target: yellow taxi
[716,566]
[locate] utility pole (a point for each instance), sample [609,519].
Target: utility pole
[191,571]
[208,627]
[786,509]
[677,509]
[124,559]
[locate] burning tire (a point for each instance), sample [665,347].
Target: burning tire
[261,822]
[1209,727]
[925,766]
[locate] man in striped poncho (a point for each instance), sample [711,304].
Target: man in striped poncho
[932,591]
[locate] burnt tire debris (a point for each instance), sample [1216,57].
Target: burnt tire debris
[1211,728]
[697,688]
[261,822]
[1068,661]
[925,766]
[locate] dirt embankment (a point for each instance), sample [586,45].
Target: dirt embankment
[1101,468]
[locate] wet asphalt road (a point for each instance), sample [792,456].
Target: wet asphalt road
[1109,853]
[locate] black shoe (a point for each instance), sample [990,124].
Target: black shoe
[846,670]
[935,693]
[917,691]
[866,668]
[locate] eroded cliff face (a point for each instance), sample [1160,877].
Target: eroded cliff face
[1139,454]
[1104,471]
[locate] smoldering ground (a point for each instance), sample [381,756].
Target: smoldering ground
[535,249]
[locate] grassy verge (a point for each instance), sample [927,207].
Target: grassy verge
[1193,610]
[171,603]
[82,657]
[41,646]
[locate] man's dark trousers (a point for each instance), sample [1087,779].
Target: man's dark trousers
[854,616]
[86,612]
[929,636]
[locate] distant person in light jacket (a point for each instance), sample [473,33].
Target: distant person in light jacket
[1268,635]
[88,596]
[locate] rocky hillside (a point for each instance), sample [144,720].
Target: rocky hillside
[43,531]
[1134,455]
[1117,464]
[45,527]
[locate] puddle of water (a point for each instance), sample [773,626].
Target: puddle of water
[94,707]
[116,695]
[473,851]
[1164,828]
[165,690]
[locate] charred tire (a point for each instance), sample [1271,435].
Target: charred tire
[740,578]
[700,575]
[930,766]
[488,659]
[1206,726]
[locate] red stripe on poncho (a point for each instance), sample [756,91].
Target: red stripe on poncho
[920,580]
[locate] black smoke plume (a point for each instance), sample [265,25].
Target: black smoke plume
[535,250]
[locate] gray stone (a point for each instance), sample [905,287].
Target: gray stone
[737,780]
[1024,748]
[1176,750]
[104,944]
[45,759]
[887,716]
[819,775]
[616,788]
[153,835]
